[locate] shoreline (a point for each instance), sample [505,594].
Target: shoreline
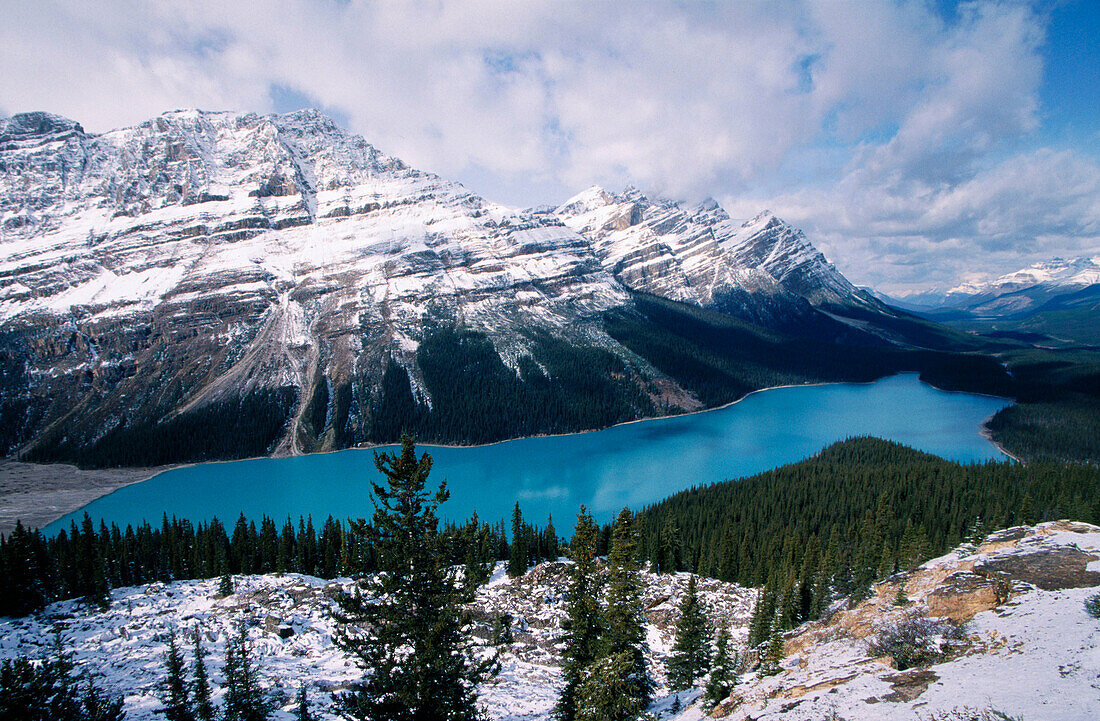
[988,435]
[54,494]
[39,494]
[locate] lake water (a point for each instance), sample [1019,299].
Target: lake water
[631,464]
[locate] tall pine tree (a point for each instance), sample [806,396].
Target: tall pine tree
[244,700]
[177,697]
[584,622]
[690,656]
[418,663]
[517,560]
[625,633]
[723,671]
[200,683]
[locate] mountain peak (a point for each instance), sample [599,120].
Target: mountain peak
[37,124]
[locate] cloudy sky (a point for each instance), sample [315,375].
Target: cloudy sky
[917,143]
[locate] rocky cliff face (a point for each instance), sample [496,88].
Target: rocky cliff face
[261,273]
[762,270]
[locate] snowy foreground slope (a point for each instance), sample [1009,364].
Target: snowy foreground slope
[292,634]
[1027,647]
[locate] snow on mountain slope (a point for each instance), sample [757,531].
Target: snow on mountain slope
[762,269]
[205,255]
[267,270]
[1026,289]
[1078,272]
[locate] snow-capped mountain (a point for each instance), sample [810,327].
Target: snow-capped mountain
[273,267]
[207,255]
[1056,273]
[1027,289]
[762,269]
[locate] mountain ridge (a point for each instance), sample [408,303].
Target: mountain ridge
[204,269]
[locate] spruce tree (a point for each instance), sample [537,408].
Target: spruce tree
[418,663]
[625,632]
[584,622]
[690,655]
[772,652]
[670,558]
[517,559]
[48,690]
[552,549]
[225,583]
[244,700]
[177,699]
[24,586]
[200,683]
[607,691]
[723,671]
[301,711]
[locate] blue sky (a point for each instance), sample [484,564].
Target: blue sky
[919,142]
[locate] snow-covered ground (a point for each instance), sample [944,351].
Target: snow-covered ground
[291,634]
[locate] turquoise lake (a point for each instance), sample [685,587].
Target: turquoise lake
[627,465]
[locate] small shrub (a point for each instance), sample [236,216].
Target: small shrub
[1092,605]
[915,641]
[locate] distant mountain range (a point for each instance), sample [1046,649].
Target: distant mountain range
[208,285]
[1059,298]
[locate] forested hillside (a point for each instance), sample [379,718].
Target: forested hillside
[858,511]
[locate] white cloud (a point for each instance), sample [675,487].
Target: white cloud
[880,126]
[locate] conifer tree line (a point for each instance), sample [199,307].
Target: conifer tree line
[857,512]
[85,562]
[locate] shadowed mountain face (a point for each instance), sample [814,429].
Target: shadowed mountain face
[218,285]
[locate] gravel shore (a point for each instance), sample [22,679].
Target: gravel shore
[39,494]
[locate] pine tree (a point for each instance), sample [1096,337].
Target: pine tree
[48,690]
[177,701]
[723,671]
[301,711]
[772,652]
[245,700]
[670,557]
[200,684]
[225,583]
[584,623]
[419,663]
[501,633]
[23,578]
[690,655]
[625,632]
[552,550]
[517,560]
[607,692]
